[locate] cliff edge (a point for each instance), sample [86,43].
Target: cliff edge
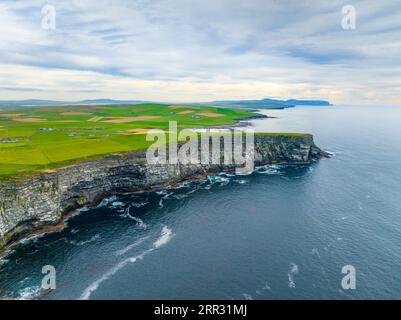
[43,200]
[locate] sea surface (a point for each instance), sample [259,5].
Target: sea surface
[280,233]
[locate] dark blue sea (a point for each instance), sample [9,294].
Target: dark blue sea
[280,233]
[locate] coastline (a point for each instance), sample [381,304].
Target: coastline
[43,204]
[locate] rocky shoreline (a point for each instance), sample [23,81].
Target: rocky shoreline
[41,203]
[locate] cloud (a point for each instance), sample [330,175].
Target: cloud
[178,50]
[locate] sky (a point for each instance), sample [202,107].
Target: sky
[200,50]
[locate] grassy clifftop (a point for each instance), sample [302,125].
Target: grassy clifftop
[43,138]
[40,138]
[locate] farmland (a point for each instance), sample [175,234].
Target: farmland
[37,139]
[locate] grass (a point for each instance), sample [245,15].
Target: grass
[68,134]
[286,134]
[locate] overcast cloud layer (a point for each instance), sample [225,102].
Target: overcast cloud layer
[201,50]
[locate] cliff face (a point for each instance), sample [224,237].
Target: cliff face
[42,200]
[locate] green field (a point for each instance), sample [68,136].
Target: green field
[42,138]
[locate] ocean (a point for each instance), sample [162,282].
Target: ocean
[283,232]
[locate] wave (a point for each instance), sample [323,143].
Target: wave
[180,196]
[165,236]
[273,169]
[88,291]
[315,252]
[118,204]
[129,247]
[106,201]
[222,181]
[83,242]
[267,287]
[293,271]
[247,296]
[225,174]
[241,181]
[334,153]
[29,293]
[164,198]
[139,204]
[139,222]
[3,261]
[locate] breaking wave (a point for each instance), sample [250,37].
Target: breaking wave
[165,236]
[83,242]
[293,271]
[133,245]
[164,198]
[29,293]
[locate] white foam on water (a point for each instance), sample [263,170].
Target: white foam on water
[183,184]
[269,169]
[3,261]
[291,282]
[164,198]
[293,271]
[106,201]
[334,154]
[139,204]
[118,204]
[29,239]
[267,287]
[129,247]
[315,252]
[241,181]
[165,236]
[29,293]
[89,290]
[273,169]
[247,296]
[225,174]
[293,268]
[139,222]
[180,196]
[219,179]
[83,242]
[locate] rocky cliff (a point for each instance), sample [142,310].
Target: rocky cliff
[44,199]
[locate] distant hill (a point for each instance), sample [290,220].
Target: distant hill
[38,102]
[257,104]
[271,103]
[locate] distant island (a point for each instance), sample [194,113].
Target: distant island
[271,103]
